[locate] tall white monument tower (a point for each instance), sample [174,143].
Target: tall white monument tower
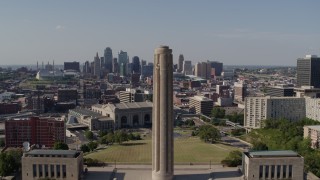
[162,115]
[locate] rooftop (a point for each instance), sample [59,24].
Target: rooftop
[201,98]
[314,127]
[271,154]
[52,152]
[85,112]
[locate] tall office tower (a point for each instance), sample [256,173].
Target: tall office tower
[240,91]
[102,62]
[97,66]
[123,59]
[218,67]
[72,66]
[143,62]
[187,67]
[123,70]
[115,66]
[206,70]
[308,71]
[197,70]
[136,65]
[108,60]
[162,115]
[86,68]
[180,63]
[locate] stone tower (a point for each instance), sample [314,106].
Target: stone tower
[162,115]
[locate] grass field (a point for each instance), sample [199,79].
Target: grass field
[186,150]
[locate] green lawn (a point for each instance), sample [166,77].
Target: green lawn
[186,150]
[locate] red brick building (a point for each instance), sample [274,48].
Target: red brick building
[9,108]
[41,131]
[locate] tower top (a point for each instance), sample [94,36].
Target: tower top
[163,50]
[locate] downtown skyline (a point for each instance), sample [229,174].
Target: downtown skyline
[241,33]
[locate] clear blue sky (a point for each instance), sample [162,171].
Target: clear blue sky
[235,32]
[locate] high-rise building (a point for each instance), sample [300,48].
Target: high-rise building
[136,65]
[258,109]
[240,91]
[308,71]
[200,105]
[108,60]
[123,62]
[187,67]
[72,66]
[162,115]
[97,66]
[180,63]
[115,66]
[197,70]
[41,131]
[217,66]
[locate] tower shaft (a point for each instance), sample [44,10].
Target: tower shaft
[162,126]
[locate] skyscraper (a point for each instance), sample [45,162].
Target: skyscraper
[115,66]
[218,67]
[123,59]
[108,60]
[308,71]
[97,66]
[197,70]
[136,65]
[180,63]
[187,67]
[162,115]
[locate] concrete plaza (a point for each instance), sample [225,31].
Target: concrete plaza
[182,172]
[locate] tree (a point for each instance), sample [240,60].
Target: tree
[110,137]
[120,136]
[92,145]
[2,143]
[233,159]
[209,133]
[218,112]
[189,122]
[84,148]
[60,145]
[237,132]
[7,164]
[102,133]
[259,146]
[89,135]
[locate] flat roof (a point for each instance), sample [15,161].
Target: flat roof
[86,112]
[52,152]
[268,154]
[314,127]
[201,98]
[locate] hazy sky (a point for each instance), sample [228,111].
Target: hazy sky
[234,32]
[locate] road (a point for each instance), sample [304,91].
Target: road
[234,142]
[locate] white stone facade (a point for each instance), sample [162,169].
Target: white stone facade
[136,114]
[313,108]
[258,109]
[52,164]
[272,165]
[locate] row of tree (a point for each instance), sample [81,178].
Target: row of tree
[285,135]
[207,133]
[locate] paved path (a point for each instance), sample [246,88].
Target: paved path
[182,172]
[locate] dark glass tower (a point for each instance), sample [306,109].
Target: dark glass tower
[108,60]
[308,71]
[136,65]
